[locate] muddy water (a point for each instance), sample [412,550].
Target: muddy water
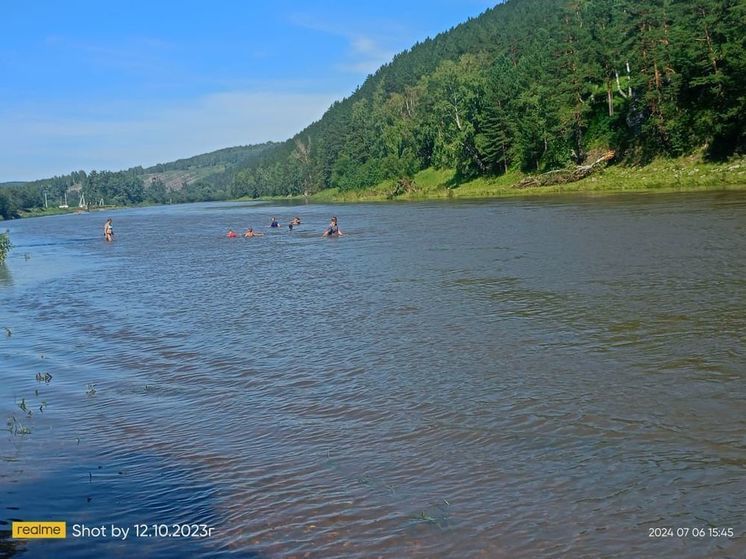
[543,378]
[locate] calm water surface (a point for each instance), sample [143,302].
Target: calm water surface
[510,379]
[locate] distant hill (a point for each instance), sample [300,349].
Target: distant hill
[202,177]
[226,157]
[215,167]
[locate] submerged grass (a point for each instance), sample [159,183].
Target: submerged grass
[16,428]
[25,405]
[438,515]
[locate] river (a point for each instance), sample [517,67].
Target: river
[554,377]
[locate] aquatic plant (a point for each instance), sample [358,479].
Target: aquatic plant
[24,408]
[423,516]
[438,515]
[16,428]
[5,246]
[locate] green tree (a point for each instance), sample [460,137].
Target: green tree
[8,207]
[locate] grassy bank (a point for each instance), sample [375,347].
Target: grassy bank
[40,212]
[662,175]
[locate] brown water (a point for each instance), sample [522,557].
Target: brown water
[510,379]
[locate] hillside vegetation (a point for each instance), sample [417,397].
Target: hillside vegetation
[531,86]
[203,177]
[528,87]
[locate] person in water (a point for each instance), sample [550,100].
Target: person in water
[250,233]
[333,230]
[108,231]
[231,234]
[274,223]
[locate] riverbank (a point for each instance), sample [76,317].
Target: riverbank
[41,212]
[662,175]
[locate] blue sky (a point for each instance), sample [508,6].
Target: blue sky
[111,84]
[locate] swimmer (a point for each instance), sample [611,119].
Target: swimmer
[251,233]
[108,231]
[333,230]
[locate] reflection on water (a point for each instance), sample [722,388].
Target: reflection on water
[5,277]
[507,379]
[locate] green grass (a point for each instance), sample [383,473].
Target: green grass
[41,212]
[662,175]
[35,212]
[670,175]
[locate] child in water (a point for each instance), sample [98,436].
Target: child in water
[333,230]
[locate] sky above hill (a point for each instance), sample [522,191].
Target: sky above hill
[109,85]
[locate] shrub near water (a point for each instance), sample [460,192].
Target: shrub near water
[5,246]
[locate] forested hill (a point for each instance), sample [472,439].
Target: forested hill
[204,177]
[533,85]
[227,157]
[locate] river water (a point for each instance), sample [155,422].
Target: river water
[557,377]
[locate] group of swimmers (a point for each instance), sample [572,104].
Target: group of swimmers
[293,222]
[248,233]
[332,229]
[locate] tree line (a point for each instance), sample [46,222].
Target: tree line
[136,185]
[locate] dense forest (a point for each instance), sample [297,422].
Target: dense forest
[532,85]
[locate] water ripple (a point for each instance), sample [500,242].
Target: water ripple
[568,379]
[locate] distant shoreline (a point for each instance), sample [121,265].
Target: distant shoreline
[660,176]
[42,212]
